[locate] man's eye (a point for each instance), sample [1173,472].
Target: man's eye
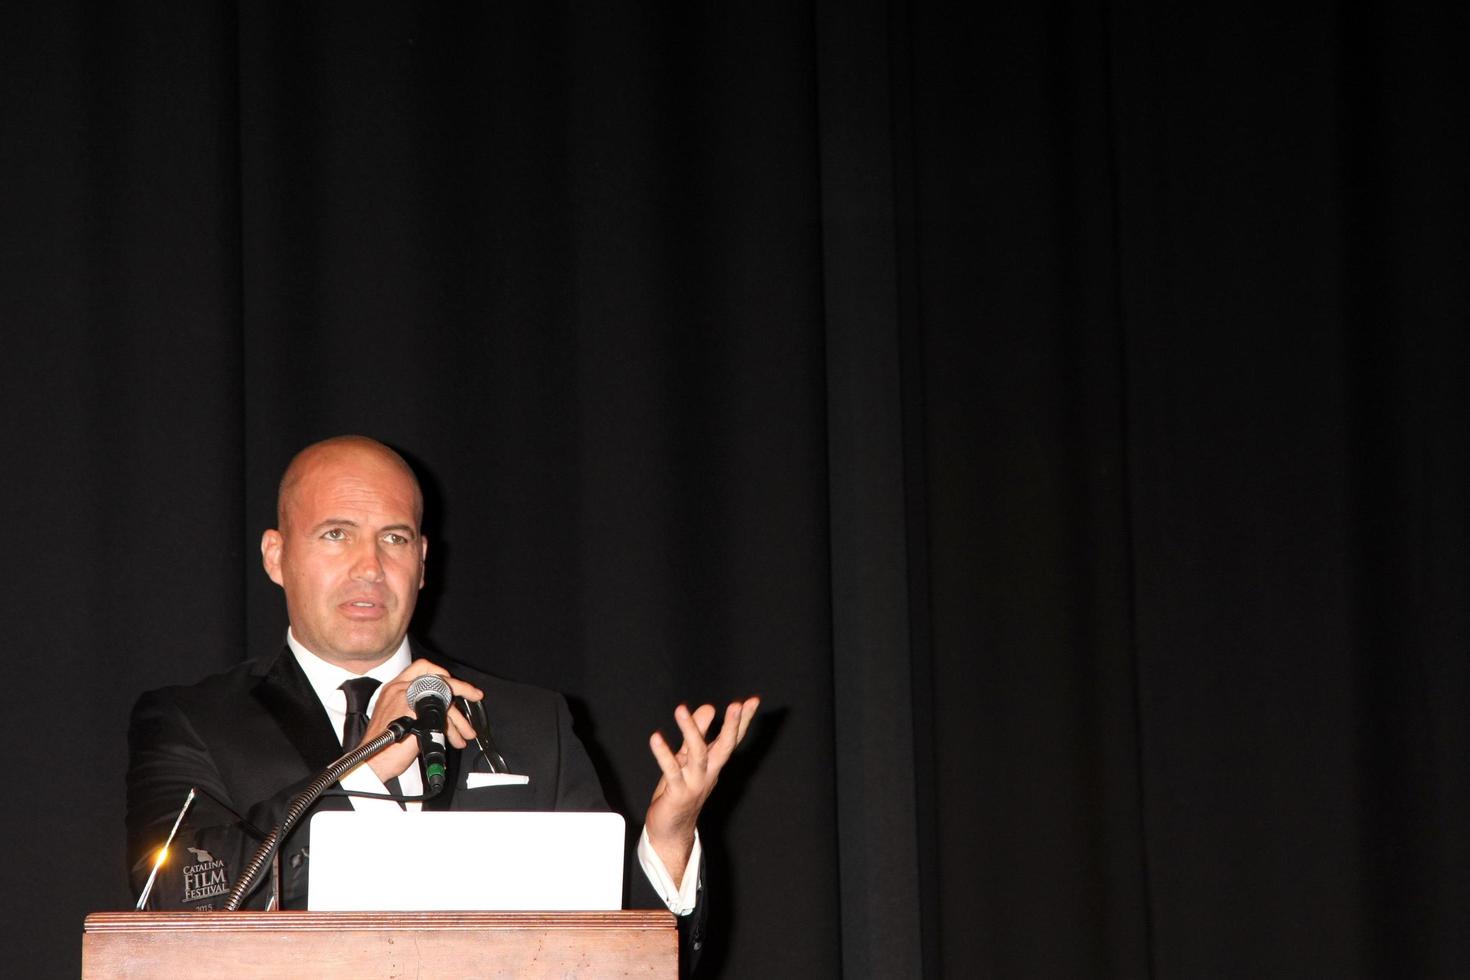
[392,538]
[335,534]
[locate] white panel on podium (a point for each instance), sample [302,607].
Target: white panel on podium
[407,861]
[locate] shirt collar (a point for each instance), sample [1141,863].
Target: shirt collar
[326,678]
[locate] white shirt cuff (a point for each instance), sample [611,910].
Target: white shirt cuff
[679,898]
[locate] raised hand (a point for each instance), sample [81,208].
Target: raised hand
[689,776]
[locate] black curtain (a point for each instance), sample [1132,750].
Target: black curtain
[1054,412]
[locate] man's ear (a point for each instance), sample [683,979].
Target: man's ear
[271,543]
[423,558]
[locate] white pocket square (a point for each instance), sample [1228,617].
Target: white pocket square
[476,780]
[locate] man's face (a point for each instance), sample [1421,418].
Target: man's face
[349,556]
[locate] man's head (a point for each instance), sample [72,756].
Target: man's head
[348,552]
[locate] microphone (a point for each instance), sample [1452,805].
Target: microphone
[429,695]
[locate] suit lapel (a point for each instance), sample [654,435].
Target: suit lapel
[286,694]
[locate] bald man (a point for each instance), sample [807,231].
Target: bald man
[349,555]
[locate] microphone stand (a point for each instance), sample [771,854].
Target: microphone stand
[397,731]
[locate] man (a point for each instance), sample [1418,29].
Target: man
[349,555]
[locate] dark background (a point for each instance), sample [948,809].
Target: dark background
[1055,411]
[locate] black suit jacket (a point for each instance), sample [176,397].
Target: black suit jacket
[254,736]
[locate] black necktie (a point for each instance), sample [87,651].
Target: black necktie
[359,692]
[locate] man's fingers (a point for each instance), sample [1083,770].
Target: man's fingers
[737,721]
[693,734]
[460,731]
[464,689]
[703,715]
[721,747]
[747,712]
[707,757]
[397,688]
[460,723]
[420,667]
[664,756]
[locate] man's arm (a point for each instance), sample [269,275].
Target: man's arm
[689,776]
[166,758]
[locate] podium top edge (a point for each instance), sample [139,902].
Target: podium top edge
[302,921]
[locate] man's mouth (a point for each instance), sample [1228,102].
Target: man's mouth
[363,608]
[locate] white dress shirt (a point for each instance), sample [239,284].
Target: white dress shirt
[326,680]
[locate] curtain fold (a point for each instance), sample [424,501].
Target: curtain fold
[1057,414]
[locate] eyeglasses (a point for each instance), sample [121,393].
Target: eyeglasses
[489,754]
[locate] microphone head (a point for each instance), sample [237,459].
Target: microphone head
[429,686]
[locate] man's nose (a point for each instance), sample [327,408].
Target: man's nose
[367,566]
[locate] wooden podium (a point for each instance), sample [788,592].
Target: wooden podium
[379,944]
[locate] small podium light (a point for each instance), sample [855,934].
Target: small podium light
[163,851]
